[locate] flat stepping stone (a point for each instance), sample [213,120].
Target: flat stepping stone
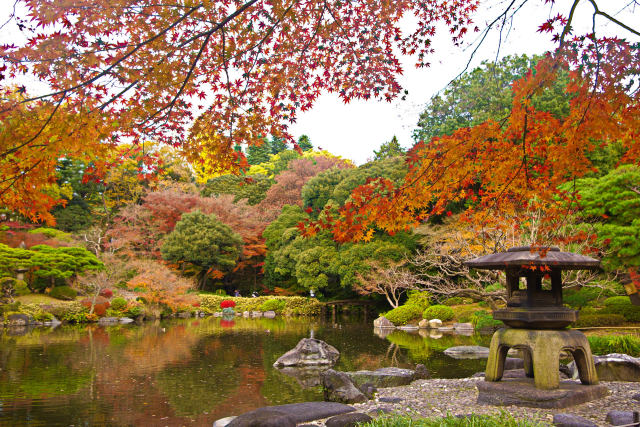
[348,420]
[522,392]
[571,420]
[297,412]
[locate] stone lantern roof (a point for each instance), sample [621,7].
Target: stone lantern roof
[530,256]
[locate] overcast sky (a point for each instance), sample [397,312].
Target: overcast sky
[354,130]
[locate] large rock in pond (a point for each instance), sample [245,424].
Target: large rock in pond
[613,367]
[388,377]
[309,352]
[19,319]
[296,412]
[306,376]
[383,323]
[338,387]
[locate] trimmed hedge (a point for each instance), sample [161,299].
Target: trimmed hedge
[438,311]
[64,293]
[622,305]
[589,320]
[453,301]
[585,296]
[404,314]
[294,306]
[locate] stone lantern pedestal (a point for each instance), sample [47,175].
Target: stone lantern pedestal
[535,319]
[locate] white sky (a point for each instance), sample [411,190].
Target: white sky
[354,130]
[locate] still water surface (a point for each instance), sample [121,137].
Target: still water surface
[187,372]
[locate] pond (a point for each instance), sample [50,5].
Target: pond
[188,372]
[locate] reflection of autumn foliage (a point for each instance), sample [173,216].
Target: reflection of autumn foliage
[161,285]
[154,351]
[227,323]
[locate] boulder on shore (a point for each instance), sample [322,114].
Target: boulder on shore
[388,377]
[383,323]
[338,387]
[435,323]
[613,367]
[309,352]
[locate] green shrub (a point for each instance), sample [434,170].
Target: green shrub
[220,292]
[484,320]
[622,305]
[294,306]
[438,311]
[463,313]
[453,301]
[589,320]
[586,311]
[276,305]
[52,233]
[494,287]
[627,344]
[20,288]
[504,419]
[134,311]
[118,304]
[404,314]
[585,296]
[64,293]
[71,312]
[419,298]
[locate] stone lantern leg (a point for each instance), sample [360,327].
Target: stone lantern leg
[536,320]
[541,350]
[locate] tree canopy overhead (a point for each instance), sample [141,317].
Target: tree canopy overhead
[241,69]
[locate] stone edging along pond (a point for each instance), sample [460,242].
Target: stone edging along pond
[74,312]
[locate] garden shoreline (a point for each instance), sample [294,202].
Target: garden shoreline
[442,397]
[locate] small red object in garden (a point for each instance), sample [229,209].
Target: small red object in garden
[107,293]
[227,303]
[196,304]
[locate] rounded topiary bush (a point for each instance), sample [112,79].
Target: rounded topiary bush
[438,311]
[419,298]
[404,314]
[276,305]
[585,296]
[64,293]
[118,303]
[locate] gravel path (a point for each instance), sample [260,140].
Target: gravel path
[439,397]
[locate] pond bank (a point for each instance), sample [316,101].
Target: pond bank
[439,397]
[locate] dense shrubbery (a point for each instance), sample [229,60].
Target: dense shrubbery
[627,344]
[276,305]
[64,293]
[585,296]
[118,303]
[453,301]
[441,312]
[503,419]
[622,305]
[418,299]
[484,320]
[404,314]
[294,306]
[590,320]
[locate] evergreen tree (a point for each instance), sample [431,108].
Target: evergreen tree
[389,149]
[304,142]
[205,243]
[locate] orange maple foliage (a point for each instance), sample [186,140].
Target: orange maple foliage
[131,70]
[513,168]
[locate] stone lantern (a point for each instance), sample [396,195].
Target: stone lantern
[535,318]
